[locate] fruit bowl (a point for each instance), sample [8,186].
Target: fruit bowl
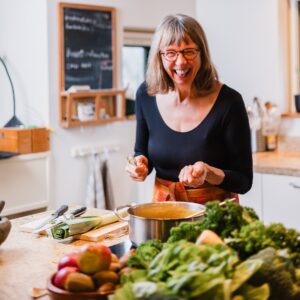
[60,294]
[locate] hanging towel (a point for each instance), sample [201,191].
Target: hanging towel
[95,192]
[99,188]
[107,185]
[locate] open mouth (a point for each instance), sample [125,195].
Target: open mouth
[182,73]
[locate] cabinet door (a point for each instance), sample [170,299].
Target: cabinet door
[24,182]
[281,200]
[253,198]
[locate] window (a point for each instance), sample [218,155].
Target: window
[135,53]
[134,68]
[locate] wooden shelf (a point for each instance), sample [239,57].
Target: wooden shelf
[87,108]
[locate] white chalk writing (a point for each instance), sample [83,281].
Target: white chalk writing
[86,54]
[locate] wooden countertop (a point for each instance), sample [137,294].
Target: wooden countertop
[277,162]
[27,260]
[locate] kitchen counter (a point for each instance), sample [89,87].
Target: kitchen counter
[27,260]
[277,162]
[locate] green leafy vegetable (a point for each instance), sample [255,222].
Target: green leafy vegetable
[278,272]
[256,236]
[184,270]
[145,254]
[223,220]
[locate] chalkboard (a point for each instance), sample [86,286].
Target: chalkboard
[87,46]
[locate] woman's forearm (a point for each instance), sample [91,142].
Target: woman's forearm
[214,175]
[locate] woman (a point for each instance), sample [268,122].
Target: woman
[192,129]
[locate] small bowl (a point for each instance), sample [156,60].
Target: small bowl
[60,294]
[5,227]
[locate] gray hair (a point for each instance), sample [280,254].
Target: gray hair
[174,29]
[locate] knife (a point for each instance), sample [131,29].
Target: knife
[52,217]
[73,214]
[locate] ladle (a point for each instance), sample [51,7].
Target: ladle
[202,211]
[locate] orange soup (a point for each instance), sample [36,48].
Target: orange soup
[163,212]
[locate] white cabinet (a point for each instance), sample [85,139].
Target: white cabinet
[253,198]
[24,182]
[281,200]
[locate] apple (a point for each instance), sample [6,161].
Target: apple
[61,275]
[94,258]
[68,260]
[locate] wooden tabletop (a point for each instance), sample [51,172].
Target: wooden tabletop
[27,260]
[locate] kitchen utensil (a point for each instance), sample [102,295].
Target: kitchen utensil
[121,248]
[60,294]
[142,229]
[202,211]
[52,217]
[73,214]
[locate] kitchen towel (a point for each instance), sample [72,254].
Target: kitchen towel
[99,188]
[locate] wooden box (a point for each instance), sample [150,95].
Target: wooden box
[22,141]
[40,139]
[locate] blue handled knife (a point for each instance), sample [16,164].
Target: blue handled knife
[52,217]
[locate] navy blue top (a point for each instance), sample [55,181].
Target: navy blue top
[221,140]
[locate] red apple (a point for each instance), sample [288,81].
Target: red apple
[94,258]
[61,276]
[68,260]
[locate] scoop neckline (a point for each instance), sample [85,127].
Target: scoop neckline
[198,125]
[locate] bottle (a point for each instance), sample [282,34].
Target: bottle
[271,122]
[255,115]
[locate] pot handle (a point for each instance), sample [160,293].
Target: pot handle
[119,214]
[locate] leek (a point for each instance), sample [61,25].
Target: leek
[81,225]
[74,226]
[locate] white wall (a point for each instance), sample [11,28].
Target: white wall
[28,37]
[248,43]
[23,42]
[244,38]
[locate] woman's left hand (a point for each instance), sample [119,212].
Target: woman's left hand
[193,175]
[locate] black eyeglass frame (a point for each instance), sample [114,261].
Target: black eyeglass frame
[177,53]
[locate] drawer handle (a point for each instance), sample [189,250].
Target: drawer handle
[294,185]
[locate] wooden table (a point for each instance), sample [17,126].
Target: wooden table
[27,260]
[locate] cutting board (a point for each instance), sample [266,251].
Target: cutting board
[111,231]
[114,230]
[31,226]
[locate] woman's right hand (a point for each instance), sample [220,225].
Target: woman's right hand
[139,171]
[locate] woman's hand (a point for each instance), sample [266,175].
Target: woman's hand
[139,170]
[193,175]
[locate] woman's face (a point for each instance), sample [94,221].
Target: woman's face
[183,68]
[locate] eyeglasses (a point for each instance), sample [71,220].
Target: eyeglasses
[188,54]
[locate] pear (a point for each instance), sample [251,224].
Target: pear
[79,282]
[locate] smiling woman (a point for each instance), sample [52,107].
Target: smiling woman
[191,128]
